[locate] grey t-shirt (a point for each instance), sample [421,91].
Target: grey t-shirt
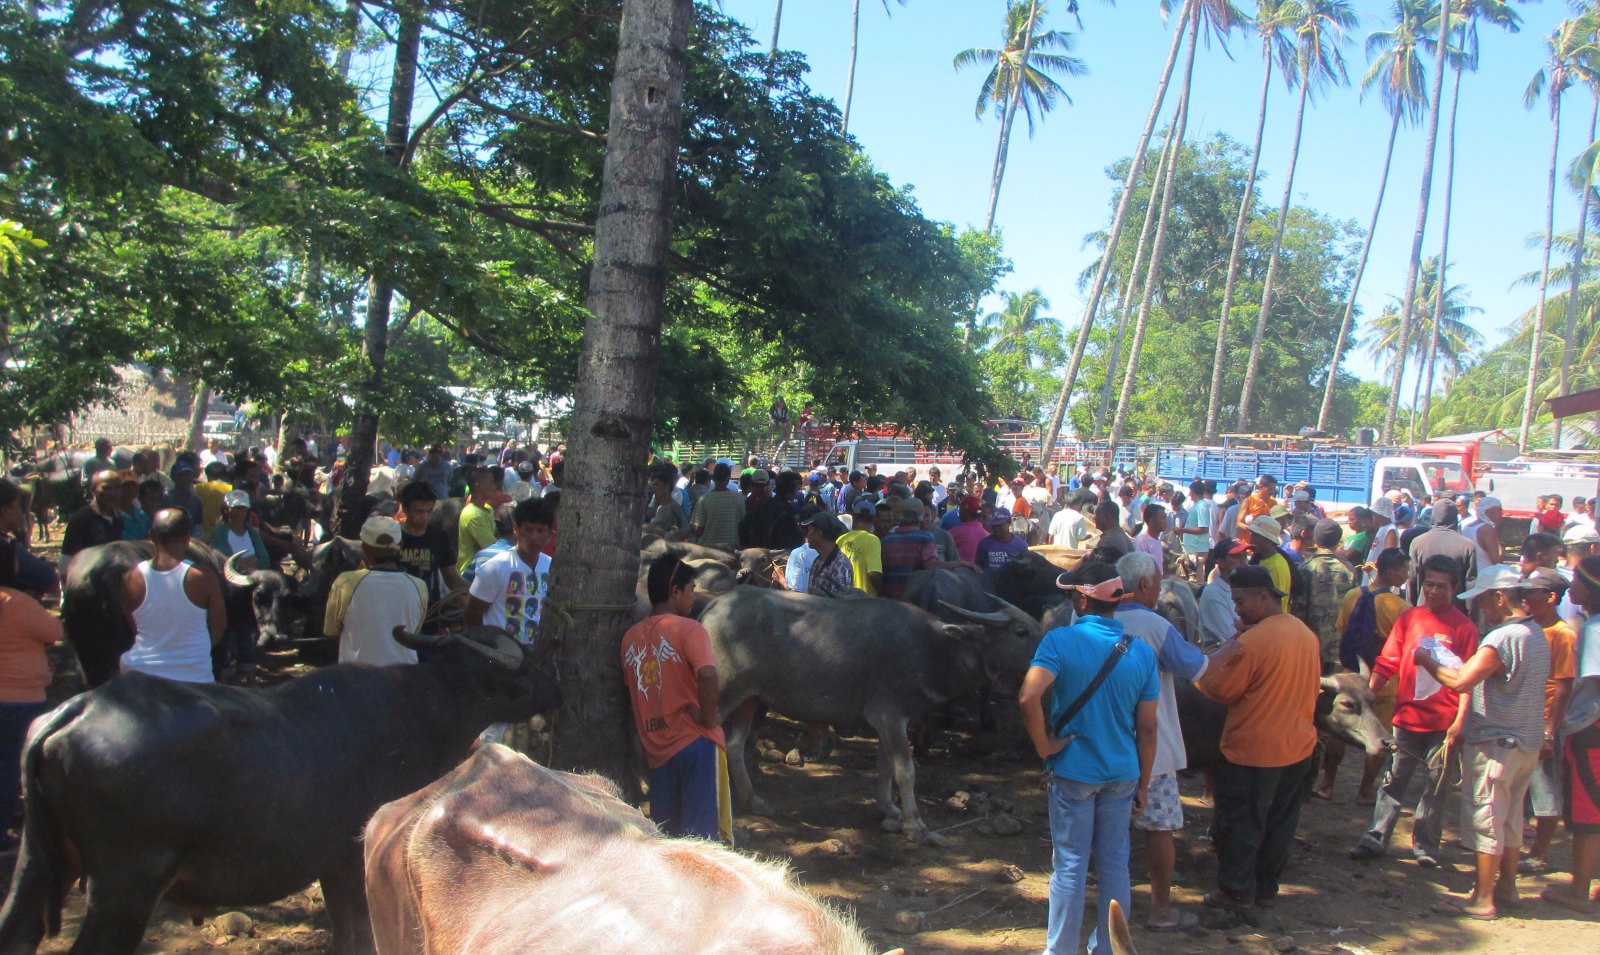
[1511,705]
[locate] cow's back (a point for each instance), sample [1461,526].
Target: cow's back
[505,856]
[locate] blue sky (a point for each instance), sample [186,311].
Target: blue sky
[914,115]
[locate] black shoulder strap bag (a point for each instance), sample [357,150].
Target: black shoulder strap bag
[1117,653]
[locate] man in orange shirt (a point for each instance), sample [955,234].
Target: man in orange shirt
[1268,677]
[1261,501]
[672,682]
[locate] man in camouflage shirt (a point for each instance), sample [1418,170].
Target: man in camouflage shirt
[1327,578]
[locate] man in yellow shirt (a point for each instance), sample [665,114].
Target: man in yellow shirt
[863,547]
[1264,535]
[211,492]
[476,530]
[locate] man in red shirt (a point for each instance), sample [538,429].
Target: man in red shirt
[672,682]
[1426,713]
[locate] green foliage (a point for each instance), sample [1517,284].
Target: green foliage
[1169,396]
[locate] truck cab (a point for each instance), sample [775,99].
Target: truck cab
[1422,478]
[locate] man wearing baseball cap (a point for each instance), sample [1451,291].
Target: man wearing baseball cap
[1502,730]
[863,547]
[998,549]
[1541,591]
[1219,620]
[969,528]
[1268,677]
[234,534]
[829,573]
[366,605]
[1264,535]
[1098,761]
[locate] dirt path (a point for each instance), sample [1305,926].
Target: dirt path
[825,825]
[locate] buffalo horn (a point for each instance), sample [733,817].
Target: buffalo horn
[498,645]
[230,569]
[419,641]
[1330,684]
[998,616]
[1015,611]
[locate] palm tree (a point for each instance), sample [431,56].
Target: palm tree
[1397,73]
[1319,27]
[1586,188]
[1175,154]
[777,21]
[1275,50]
[1020,75]
[1446,336]
[1012,328]
[855,35]
[1113,236]
[1574,58]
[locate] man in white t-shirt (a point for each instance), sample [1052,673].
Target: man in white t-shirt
[1069,527]
[1175,657]
[366,605]
[509,588]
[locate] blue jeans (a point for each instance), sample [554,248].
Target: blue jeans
[15,718]
[1087,818]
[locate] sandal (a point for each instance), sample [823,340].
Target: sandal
[1183,922]
[1555,896]
[1459,909]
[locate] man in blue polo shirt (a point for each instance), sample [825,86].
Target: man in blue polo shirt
[1100,761]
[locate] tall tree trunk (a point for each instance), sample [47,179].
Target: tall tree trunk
[1569,346]
[850,77]
[1006,119]
[380,286]
[1103,272]
[1431,356]
[1530,402]
[1414,263]
[1241,225]
[597,552]
[1152,275]
[198,402]
[1355,282]
[777,23]
[1135,272]
[351,27]
[1269,286]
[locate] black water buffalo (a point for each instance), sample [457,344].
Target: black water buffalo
[100,631]
[214,796]
[1344,709]
[847,661]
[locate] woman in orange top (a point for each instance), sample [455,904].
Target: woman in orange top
[26,629]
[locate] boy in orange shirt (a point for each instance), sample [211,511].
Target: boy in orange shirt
[672,683]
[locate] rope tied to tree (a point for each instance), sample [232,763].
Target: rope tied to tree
[565,610]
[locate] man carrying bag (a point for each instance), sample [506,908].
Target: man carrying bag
[1096,691]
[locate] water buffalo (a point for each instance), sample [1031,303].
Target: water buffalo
[100,631]
[220,796]
[952,595]
[505,856]
[846,661]
[1344,709]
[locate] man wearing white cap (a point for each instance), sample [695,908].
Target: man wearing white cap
[366,605]
[1483,532]
[1581,540]
[1503,729]
[1263,534]
[234,534]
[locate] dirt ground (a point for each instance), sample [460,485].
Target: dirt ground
[825,826]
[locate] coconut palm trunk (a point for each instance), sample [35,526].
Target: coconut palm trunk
[1152,274]
[1003,148]
[777,24]
[1118,220]
[597,552]
[1431,356]
[1414,263]
[850,76]
[1348,321]
[1269,286]
[1246,202]
[1569,335]
[1530,401]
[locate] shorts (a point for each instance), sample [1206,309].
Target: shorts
[1582,781]
[1163,808]
[689,794]
[1544,789]
[1497,777]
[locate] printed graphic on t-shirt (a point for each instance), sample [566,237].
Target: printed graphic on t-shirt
[646,661]
[523,602]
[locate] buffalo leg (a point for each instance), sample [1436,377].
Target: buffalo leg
[892,739]
[118,911]
[886,803]
[344,891]
[737,730]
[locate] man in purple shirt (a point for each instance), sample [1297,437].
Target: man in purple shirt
[997,550]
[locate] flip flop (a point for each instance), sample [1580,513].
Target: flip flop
[1451,907]
[1184,922]
[1556,897]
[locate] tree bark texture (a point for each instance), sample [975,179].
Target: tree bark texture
[1264,316]
[850,77]
[1103,272]
[1569,348]
[380,287]
[1008,117]
[197,414]
[1355,282]
[1414,263]
[1431,356]
[1241,227]
[597,549]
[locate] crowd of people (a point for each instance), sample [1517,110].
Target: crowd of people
[1487,668]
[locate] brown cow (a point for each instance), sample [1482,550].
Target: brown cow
[503,855]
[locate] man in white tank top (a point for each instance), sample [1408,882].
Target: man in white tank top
[176,608]
[1484,532]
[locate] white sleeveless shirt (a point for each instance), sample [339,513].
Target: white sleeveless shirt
[173,640]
